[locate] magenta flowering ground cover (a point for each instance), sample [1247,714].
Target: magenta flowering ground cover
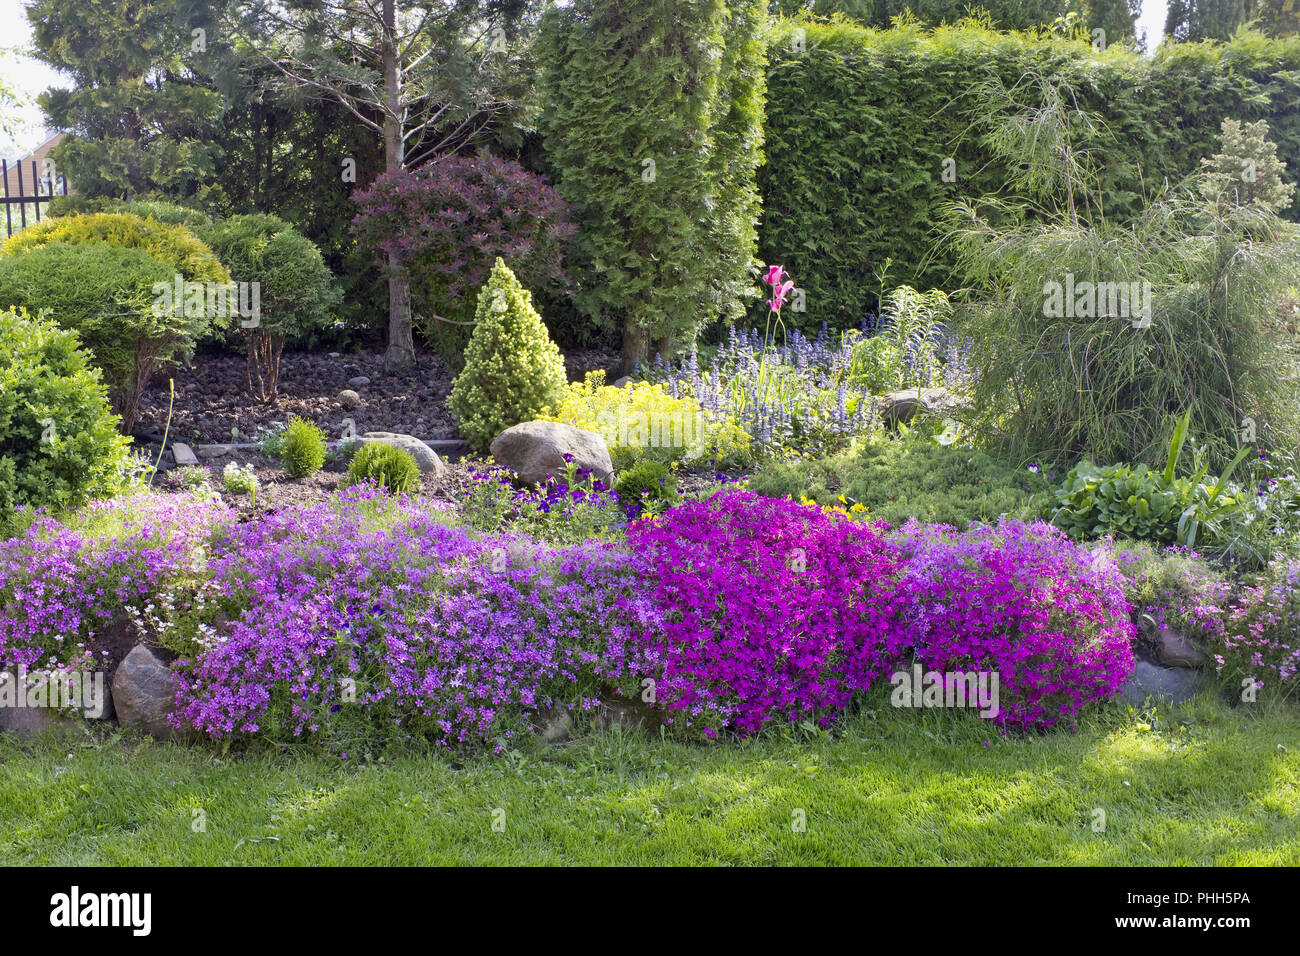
[773,611]
[1023,601]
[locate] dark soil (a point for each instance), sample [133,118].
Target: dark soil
[213,404]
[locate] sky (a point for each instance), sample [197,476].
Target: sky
[28,75]
[32,77]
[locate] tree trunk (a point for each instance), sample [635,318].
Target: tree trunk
[636,347]
[401,344]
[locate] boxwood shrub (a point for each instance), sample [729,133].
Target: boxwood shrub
[59,445]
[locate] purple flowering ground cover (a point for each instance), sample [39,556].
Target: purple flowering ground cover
[370,614]
[459,638]
[1023,601]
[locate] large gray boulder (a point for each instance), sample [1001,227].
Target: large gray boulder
[1148,680]
[904,405]
[424,456]
[144,694]
[534,450]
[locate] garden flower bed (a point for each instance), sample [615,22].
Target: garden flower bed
[724,615]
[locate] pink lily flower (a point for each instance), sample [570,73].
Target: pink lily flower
[779,295]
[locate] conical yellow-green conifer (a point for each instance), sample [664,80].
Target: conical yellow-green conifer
[512,368]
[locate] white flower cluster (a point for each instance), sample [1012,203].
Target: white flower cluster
[239,478]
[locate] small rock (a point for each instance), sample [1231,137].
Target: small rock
[184,454]
[214,451]
[623,382]
[554,726]
[533,450]
[902,406]
[335,355]
[349,398]
[359,381]
[628,714]
[144,693]
[1175,650]
[1149,680]
[424,456]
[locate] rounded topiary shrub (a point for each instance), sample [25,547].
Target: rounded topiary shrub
[169,242]
[512,368]
[104,294]
[389,466]
[59,444]
[159,209]
[113,278]
[302,449]
[296,290]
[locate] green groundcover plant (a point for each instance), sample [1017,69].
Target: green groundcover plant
[911,478]
[1139,502]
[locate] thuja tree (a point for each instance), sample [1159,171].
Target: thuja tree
[652,120]
[1116,17]
[512,368]
[1206,19]
[1090,334]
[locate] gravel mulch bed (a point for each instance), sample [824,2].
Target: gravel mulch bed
[279,491]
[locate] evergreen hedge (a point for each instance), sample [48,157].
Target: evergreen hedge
[860,122]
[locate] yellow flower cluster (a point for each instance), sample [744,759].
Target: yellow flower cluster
[644,421]
[857,510]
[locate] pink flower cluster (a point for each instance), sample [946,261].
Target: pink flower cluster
[1261,638]
[779,612]
[772,610]
[1022,601]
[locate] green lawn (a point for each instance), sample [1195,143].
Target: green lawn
[1204,785]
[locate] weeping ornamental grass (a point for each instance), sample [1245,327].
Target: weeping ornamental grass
[1093,379]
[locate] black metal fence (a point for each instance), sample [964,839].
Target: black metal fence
[23,200]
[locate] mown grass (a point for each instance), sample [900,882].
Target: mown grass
[1206,784]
